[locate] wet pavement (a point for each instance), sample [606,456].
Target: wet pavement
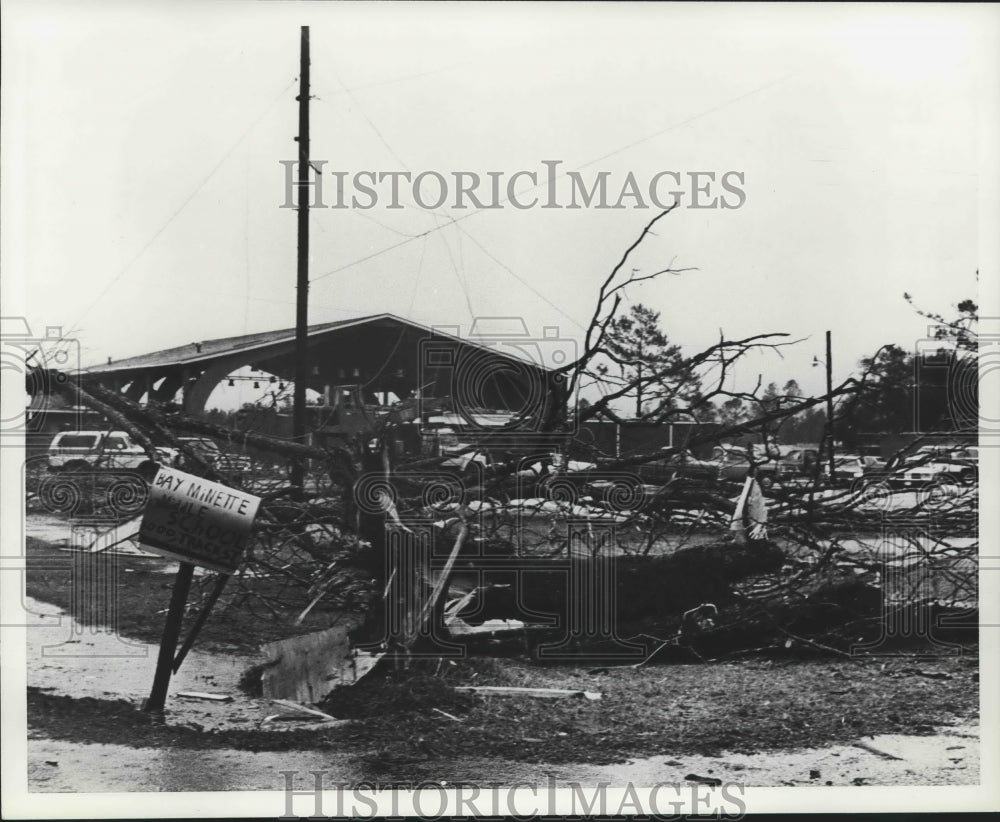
[947,758]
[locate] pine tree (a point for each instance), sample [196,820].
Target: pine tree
[648,361]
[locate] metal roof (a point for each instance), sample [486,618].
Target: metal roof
[205,350]
[210,349]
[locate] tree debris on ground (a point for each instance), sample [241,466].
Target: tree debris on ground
[380,560]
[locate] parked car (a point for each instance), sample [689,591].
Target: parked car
[734,464]
[797,462]
[875,468]
[556,464]
[847,469]
[930,465]
[466,460]
[678,464]
[218,459]
[89,450]
[857,470]
[967,459]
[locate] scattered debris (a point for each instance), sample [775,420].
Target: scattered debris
[749,519]
[459,627]
[363,663]
[872,749]
[303,709]
[205,696]
[928,674]
[306,668]
[440,586]
[704,780]
[456,606]
[545,693]
[445,713]
[123,536]
[699,619]
[319,591]
[316,721]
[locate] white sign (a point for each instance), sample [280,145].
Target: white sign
[197,521]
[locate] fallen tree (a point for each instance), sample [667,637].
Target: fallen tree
[351,546]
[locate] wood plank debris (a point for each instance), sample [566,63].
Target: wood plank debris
[440,586]
[205,696]
[445,713]
[302,709]
[297,720]
[459,627]
[872,749]
[363,663]
[704,780]
[456,606]
[320,590]
[543,693]
[124,536]
[306,668]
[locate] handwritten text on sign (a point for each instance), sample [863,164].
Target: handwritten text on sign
[197,521]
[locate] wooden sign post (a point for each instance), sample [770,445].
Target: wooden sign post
[168,642]
[199,523]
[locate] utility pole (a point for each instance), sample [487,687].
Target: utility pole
[302,287]
[829,399]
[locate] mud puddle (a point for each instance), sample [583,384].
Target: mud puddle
[947,758]
[67,658]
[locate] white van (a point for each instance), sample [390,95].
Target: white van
[87,450]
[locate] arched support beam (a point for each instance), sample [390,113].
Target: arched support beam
[198,389]
[139,387]
[168,388]
[136,389]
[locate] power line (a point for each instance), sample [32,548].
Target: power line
[176,213]
[523,282]
[474,212]
[459,275]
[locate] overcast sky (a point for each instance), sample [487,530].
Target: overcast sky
[142,182]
